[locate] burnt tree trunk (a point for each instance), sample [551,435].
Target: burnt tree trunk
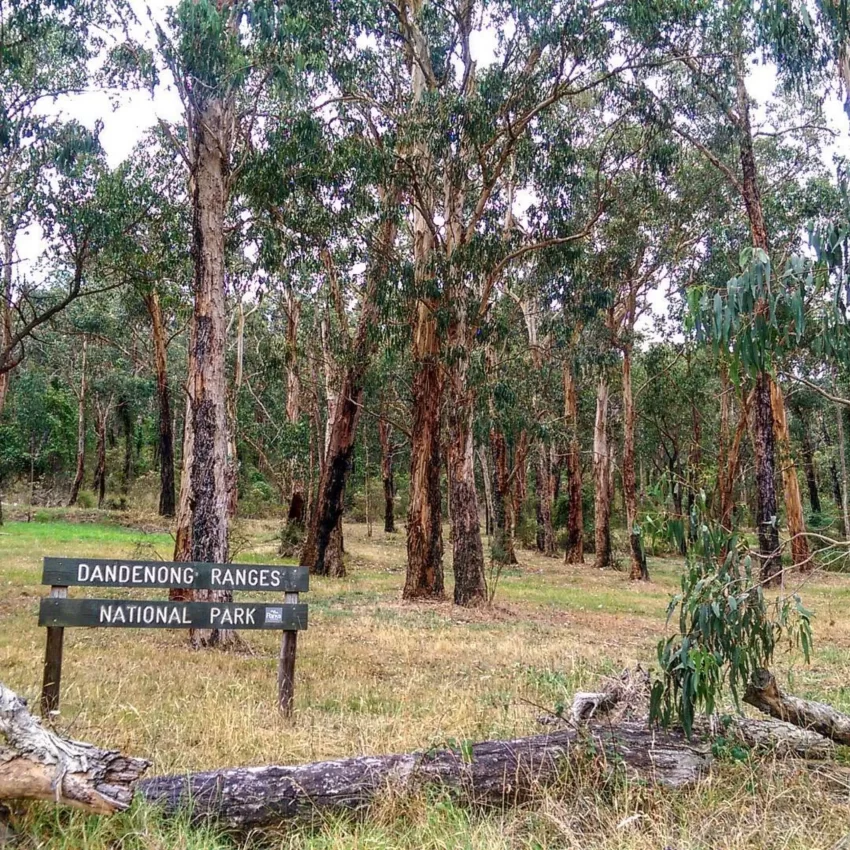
[297,503]
[575,515]
[602,478]
[325,532]
[81,430]
[467,550]
[211,124]
[163,398]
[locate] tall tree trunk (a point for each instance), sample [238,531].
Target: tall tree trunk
[99,479]
[183,526]
[639,570]
[126,417]
[833,466]
[544,486]
[766,516]
[793,500]
[729,450]
[424,577]
[387,477]
[81,429]
[211,136]
[467,550]
[602,478]
[486,477]
[501,546]
[519,490]
[325,530]
[297,502]
[575,516]
[163,397]
[809,465]
[768,530]
[9,236]
[842,455]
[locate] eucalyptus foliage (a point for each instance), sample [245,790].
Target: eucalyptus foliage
[727,628]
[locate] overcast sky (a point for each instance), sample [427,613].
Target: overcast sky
[137,112]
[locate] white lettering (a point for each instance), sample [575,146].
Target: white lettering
[216,577]
[249,616]
[105,614]
[275,578]
[214,612]
[97,573]
[188,576]
[162,614]
[137,574]
[82,572]
[124,574]
[174,615]
[110,572]
[148,613]
[118,615]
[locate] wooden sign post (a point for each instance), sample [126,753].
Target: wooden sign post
[57,611]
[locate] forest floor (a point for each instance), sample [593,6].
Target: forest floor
[375,675]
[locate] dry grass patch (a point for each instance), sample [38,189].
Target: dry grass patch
[376,675]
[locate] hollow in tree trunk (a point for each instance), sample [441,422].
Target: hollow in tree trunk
[602,478]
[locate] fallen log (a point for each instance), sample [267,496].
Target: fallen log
[491,772]
[764,694]
[37,764]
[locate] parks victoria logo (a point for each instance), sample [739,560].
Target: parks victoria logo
[274,614]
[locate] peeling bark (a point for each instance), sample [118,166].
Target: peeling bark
[793,501]
[38,764]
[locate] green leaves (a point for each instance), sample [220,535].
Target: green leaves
[726,630]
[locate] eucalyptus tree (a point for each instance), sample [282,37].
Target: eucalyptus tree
[223,56]
[47,53]
[703,98]
[470,134]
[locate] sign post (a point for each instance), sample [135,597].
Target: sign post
[53,661]
[57,611]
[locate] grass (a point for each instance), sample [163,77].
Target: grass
[375,675]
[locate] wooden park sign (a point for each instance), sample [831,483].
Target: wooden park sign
[58,612]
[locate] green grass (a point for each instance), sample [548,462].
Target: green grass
[375,675]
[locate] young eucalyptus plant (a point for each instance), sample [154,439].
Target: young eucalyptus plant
[727,629]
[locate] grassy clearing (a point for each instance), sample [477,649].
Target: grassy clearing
[376,675]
